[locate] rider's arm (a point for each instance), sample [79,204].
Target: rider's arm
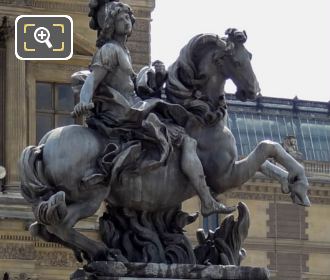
[104,61]
[92,82]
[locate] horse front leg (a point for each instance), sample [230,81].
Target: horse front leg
[244,169]
[276,173]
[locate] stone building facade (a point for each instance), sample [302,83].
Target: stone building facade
[293,242]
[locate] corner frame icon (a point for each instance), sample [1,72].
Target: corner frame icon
[33,58]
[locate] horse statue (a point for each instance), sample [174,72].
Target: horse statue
[149,155]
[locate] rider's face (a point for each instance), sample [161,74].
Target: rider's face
[123,24]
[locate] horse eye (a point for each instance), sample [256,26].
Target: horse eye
[237,63]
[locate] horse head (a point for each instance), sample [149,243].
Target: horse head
[204,65]
[235,64]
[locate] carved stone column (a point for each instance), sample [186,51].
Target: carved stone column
[2,108]
[16,128]
[5,30]
[2,99]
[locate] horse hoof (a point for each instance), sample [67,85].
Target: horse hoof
[219,209]
[228,209]
[57,209]
[285,187]
[78,255]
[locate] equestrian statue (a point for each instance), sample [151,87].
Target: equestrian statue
[151,141]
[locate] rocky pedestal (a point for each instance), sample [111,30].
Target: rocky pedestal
[119,270]
[217,255]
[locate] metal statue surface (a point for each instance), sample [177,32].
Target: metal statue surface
[147,147]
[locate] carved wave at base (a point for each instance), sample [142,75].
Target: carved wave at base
[155,237]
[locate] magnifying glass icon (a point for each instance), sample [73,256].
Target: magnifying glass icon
[41,35]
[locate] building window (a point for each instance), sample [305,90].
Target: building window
[54,103]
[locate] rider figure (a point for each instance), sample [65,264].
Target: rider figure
[111,64]
[110,86]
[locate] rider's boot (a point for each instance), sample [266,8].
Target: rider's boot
[208,204]
[193,169]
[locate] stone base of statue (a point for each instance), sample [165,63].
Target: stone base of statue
[118,270]
[153,245]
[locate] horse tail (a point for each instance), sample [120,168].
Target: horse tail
[48,206]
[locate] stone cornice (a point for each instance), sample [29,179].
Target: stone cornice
[57,257]
[26,239]
[317,179]
[63,66]
[286,245]
[275,197]
[82,44]
[11,199]
[262,188]
[13,11]
[149,4]
[77,61]
[260,244]
[315,276]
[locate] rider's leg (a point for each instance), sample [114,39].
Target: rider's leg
[193,169]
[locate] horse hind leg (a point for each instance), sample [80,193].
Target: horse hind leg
[79,210]
[193,169]
[39,230]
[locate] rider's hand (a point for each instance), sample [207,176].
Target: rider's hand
[81,109]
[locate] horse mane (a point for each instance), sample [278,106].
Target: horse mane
[183,76]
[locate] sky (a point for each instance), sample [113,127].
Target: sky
[289,39]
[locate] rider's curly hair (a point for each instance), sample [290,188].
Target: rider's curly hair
[103,14]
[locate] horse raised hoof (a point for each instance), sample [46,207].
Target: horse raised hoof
[299,194]
[299,190]
[218,208]
[53,210]
[285,186]
[56,208]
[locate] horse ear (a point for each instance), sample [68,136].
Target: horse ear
[230,31]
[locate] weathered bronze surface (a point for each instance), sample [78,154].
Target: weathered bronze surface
[154,139]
